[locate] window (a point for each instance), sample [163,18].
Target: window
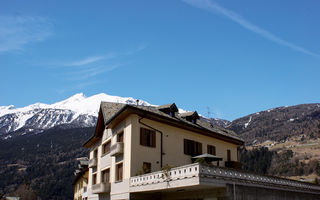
[105,176]
[146,167]
[94,179]
[120,137]
[228,155]
[119,172]
[192,148]
[106,147]
[95,153]
[147,137]
[211,150]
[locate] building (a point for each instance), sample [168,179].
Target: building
[80,181]
[143,152]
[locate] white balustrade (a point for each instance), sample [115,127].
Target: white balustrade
[227,174]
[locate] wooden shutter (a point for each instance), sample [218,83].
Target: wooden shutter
[153,138]
[228,155]
[141,136]
[200,148]
[185,146]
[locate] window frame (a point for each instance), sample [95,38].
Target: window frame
[148,137]
[104,150]
[146,166]
[94,179]
[210,148]
[102,175]
[228,155]
[119,174]
[95,153]
[120,136]
[192,148]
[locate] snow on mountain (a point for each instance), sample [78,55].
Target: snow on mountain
[77,111]
[90,106]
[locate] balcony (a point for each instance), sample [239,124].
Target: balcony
[233,164]
[92,162]
[197,174]
[116,149]
[84,191]
[100,188]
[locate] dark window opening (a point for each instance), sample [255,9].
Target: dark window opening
[228,155]
[94,179]
[106,147]
[120,137]
[146,167]
[95,153]
[119,172]
[147,137]
[192,148]
[105,176]
[211,150]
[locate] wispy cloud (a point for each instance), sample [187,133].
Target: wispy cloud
[91,72]
[140,47]
[217,9]
[18,31]
[90,60]
[76,87]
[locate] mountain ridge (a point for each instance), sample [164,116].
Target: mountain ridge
[77,111]
[80,111]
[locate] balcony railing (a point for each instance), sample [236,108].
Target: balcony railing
[100,188]
[233,164]
[116,149]
[225,175]
[92,162]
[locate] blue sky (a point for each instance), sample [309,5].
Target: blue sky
[233,57]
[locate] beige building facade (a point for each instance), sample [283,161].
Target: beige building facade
[132,140]
[146,152]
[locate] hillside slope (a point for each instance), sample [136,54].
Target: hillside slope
[279,124]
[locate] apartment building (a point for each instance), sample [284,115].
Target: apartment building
[144,152]
[133,140]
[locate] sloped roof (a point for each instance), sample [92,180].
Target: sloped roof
[111,110]
[190,114]
[168,106]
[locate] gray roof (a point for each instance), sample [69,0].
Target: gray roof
[109,110]
[168,106]
[186,114]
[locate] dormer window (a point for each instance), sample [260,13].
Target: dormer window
[169,109]
[190,116]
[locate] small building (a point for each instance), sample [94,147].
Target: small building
[80,181]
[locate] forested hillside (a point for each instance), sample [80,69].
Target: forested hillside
[46,161]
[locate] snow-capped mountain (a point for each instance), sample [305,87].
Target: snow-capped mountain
[76,111]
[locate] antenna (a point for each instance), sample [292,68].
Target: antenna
[208,112]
